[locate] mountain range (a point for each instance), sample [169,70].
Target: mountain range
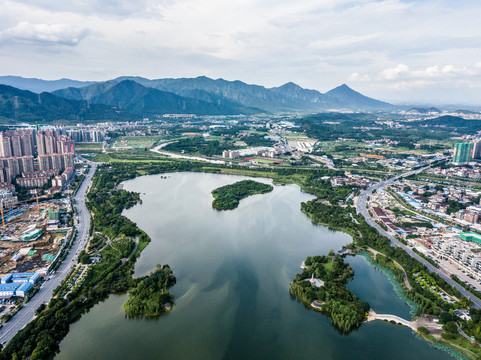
[39,85]
[200,95]
[26,106]
[237,94]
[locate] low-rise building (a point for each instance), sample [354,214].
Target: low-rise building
[17,284]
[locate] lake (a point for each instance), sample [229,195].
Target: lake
[233,271]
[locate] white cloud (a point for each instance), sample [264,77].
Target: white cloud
[358,77]
[45,34]
[376,44]
[409,84]
[402,71]
[395,72]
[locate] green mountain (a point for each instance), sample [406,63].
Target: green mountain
[288,97]
[453,122]
[418,110]
[132,96]
[236,95]
[23,105]
[345,97]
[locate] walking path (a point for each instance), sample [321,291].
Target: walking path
[406,281]
[180,156]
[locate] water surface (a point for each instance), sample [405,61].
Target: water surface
[233,270]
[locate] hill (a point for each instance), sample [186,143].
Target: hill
[345,97]
[454,122]
[424,110]
[39,85]
[132,96]
[23,105]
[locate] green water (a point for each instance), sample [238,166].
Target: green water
[233,270]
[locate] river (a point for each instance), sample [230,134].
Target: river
[233,270]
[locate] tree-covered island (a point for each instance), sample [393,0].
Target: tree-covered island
[322,284]
[151,296]
[227,197]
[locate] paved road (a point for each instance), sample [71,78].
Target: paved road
[179,156]
[361,208]
[27,313]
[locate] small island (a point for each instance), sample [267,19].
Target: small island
[227,197]
[322,285]
[151,296]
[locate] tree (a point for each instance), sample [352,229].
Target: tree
[423,330]
[450,327]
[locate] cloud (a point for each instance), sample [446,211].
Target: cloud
[384,47]
[402,71]
[395,72]
[44,34]
[408,85]
[358,77]
[120,8]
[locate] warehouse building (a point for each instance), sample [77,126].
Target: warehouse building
[17,284]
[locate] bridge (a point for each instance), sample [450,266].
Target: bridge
[388,317]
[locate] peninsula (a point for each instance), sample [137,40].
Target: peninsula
[322,284]
[151,296]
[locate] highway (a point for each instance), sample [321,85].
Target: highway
[361,208]
[27,313]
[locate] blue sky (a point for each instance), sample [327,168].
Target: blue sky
[400,51]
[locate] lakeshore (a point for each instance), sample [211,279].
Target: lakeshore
[229,267]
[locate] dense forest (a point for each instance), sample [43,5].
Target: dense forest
[151,295]
[227,197]
[346,310]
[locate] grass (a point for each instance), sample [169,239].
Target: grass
[263,160]
[464,346]
[329,265]
[81,146]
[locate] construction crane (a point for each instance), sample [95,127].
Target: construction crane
[15,203]
[444,228]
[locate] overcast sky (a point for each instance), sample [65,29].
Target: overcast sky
[418,50]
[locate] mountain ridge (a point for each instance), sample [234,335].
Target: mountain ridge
[24,105]
[39,85]
[287,97]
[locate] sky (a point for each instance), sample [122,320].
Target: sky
[417,51]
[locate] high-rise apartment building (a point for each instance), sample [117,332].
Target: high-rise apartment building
[27,164]
[17,149]
[68,160]
[16,142]
[5,146]
[57,162]
[27,144]
[462,153]
[40,143]
[65,145]
[44,162]
[12,163]
[50,143]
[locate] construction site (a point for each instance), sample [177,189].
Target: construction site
[32,235]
